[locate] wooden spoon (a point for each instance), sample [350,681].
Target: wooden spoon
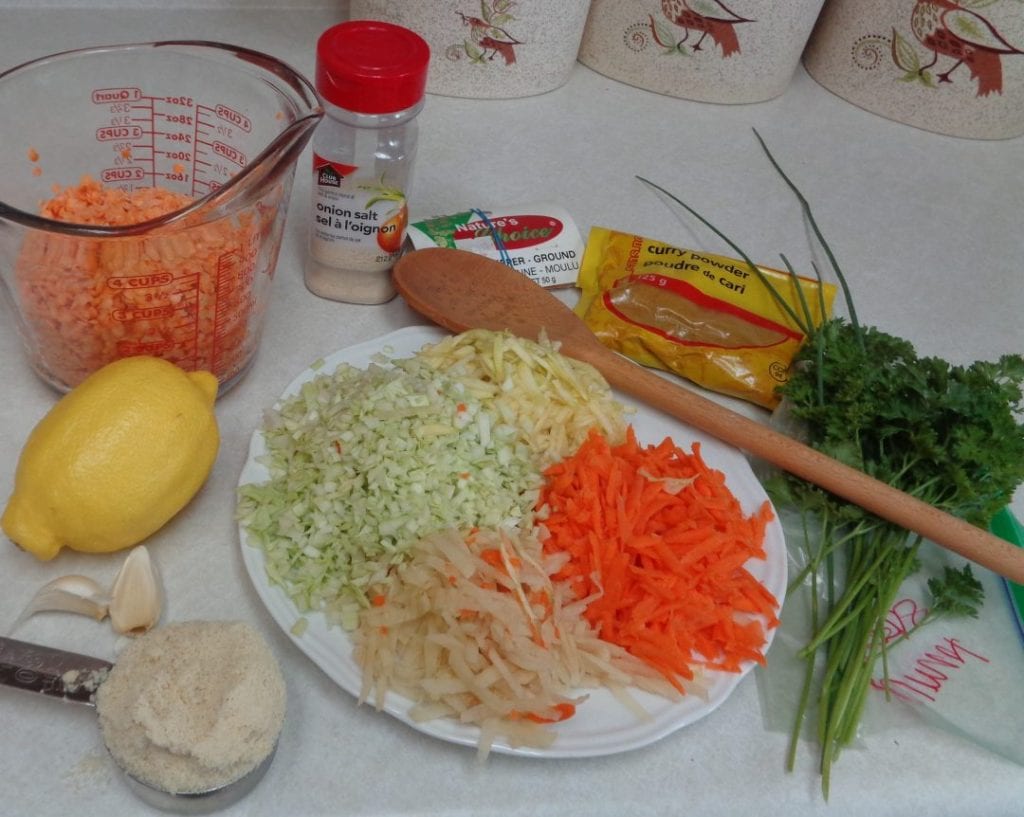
[460,290]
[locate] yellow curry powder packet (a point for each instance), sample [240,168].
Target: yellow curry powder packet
[705,317]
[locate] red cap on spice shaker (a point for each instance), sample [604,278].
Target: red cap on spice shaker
[371,67]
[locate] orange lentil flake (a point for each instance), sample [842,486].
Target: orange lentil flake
[181,293]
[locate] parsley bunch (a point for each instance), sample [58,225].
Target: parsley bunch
[948,435]
[945,434]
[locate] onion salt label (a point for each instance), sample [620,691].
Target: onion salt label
[540,241]
[355,213]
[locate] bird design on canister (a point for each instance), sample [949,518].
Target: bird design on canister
[708,17]
[948,29]
[491,39]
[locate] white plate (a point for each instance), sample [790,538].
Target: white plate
[602,725]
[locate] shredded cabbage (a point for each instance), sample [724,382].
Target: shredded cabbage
[365,462]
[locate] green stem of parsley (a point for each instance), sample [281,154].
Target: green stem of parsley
[947,435]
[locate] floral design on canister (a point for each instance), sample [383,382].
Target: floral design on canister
[944,41]
[490,35]
[691,24]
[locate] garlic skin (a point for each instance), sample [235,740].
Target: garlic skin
[67,594]
[135,597]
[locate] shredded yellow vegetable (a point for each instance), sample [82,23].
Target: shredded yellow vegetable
[552,400]
[474,628]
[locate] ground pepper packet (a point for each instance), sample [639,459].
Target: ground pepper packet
[539,240]
[705,317]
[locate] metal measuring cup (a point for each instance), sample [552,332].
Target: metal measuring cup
[73,677]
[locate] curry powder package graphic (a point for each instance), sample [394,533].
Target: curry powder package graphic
[705,317]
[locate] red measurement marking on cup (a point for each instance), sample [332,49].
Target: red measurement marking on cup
[108,96]
[170,123]
[111,133]
[230,115]
[201,164]
[160,313]
[156,136]
[229,152]
[159,348]
[232,308]
[143,313]
[113,175]
[217,158]
[158,279]
[141,151]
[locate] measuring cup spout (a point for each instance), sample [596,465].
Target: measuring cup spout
[272,169]
[277,158]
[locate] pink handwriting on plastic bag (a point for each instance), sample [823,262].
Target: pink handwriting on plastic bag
[932,667]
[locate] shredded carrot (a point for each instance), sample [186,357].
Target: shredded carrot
[560,712]
[542,599]
[491,556]
[494,558]
[181,294]
[379,600]
[659,540]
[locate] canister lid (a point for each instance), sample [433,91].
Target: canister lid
[371,67]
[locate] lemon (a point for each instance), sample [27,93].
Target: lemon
[114,459]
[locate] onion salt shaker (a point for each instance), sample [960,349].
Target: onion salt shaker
[372,77]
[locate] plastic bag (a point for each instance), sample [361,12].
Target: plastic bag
[705,317]
[963,675]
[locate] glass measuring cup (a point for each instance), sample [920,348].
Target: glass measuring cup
[193,144]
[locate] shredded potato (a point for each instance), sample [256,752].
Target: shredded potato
[475,629]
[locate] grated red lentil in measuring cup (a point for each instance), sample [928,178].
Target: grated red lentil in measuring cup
[183,294]
[168,245]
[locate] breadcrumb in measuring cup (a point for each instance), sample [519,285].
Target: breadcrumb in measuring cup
[192,706]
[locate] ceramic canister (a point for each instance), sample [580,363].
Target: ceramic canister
[950,66]
[489,49]
[707,50]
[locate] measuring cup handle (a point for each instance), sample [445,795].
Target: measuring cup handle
[53,672]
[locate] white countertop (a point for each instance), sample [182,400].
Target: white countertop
[928,229]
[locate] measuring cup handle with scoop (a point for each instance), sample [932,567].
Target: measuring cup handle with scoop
[74,677]
[52,672]
[460,290]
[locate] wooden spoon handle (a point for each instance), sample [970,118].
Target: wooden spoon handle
[970,541]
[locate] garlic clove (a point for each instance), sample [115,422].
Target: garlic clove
[135,597]
[67,594]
